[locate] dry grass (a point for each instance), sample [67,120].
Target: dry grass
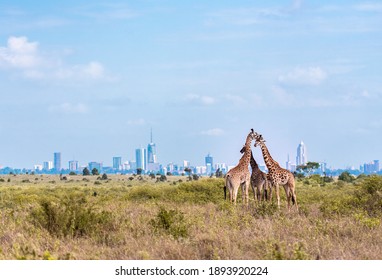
[45,218]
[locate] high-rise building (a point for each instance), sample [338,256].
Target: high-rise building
[288,164]
[141,158]
[117,163]
[96,165]
[73,165]
[301,158]
[151,150]
[57,162]
[209,160]
[47,165]
[209,163]
[372,167]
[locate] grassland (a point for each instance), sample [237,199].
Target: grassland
[126,217]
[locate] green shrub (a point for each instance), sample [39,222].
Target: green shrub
[346,177]
[171,222]
[369,196]
[264,208]
[71,217]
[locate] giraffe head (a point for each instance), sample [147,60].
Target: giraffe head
[259,140]
[252,134]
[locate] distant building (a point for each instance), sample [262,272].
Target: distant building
[301,158]
[73,165]
[186,163]
[47,165]
[140,157]
[222,166]
[151,150]
[97,165]
[372,167]
[209,160]
[117,163]
[57,162]
[38,167]
[288,164]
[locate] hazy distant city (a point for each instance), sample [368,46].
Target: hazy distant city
[146,162]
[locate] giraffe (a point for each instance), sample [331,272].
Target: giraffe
[258,179]
[277,175]
[239,175]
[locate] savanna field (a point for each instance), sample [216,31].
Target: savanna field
[142,217]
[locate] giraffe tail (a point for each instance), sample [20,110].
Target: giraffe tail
[225,192]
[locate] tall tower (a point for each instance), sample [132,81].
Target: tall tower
[57,162]
[209,163]
[117,163]
[151,150]
[301,158]
[140,157]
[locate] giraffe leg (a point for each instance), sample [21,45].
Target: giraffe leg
[288,195]
[246,192]
[253,188]
[278,196]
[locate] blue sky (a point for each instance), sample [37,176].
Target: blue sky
[89,79]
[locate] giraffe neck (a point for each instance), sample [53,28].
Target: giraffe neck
[269,161]
[247,154]
[253,162]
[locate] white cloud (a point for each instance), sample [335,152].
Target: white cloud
[69,108]
[23,56]
[304,76]
[200,99]
[213,132]
[19,53]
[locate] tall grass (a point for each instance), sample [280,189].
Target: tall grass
[144,218]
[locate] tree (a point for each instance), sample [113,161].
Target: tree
[139,171]
[104,176]
[346,177]
[188,171]
[219,173]
[308,167]
[95,171]
[86,172]
[72,173]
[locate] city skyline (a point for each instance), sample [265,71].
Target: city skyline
[90,79]
[148,163]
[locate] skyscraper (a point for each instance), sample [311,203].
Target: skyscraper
[140,157]
[209,163]
[151,150]
[57,162]
[73,165]
[47,165]
[301,158]
[117,163]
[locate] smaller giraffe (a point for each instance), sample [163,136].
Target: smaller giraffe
[239,175]
[277,175]
[259,182]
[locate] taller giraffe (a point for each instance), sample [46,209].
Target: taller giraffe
[259,181]
[239,175]
[278,175]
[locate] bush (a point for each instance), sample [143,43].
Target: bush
[71,217]
[171,222]
[369,197]
[346,177]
